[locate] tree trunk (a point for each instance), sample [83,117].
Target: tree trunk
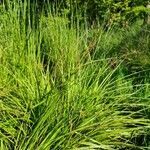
[147,17]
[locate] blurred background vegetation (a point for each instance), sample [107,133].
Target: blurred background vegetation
[120,12]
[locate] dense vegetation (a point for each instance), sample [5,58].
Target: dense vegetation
[110,11]
[70,79]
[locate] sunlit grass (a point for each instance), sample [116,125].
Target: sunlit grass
[58,92]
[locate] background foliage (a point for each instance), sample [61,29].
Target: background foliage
[111,11]
[120,12]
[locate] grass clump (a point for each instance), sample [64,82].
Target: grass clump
[59,92]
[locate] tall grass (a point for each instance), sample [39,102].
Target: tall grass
[59,90]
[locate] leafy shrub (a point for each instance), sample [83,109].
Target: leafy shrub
[111,11]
